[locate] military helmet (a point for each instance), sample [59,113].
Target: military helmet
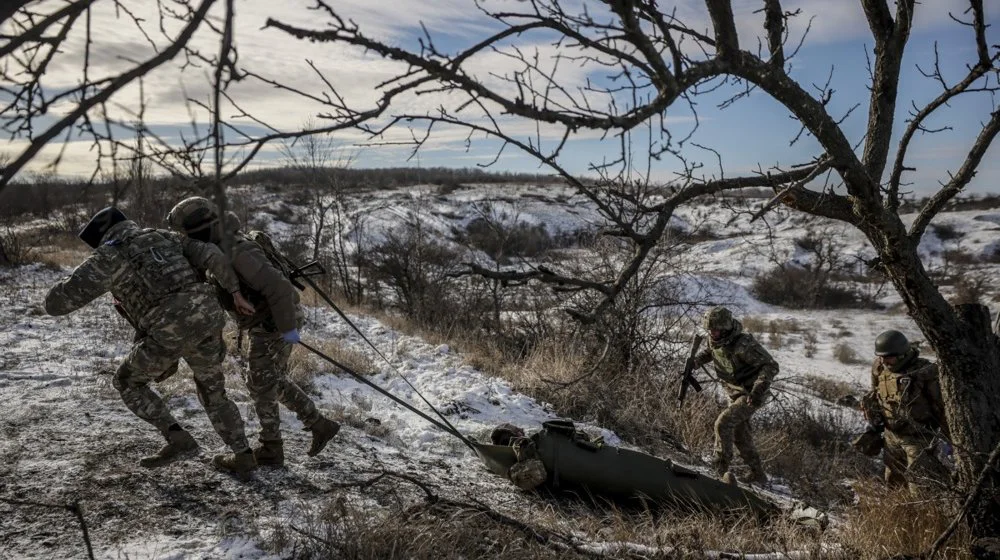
[94,231]
[718,318]
[192,215]
[891,343]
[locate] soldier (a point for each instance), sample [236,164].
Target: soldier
[151,274]
[272,330]
[906,401]
[746,370]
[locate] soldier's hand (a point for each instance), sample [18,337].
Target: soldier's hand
[243,306]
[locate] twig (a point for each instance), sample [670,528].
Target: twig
[73,508]
[974,495]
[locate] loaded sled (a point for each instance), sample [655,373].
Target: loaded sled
[573,461]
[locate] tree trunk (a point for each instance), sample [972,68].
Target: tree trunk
[968,357]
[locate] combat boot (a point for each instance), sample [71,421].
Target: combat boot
[758,476]
[241,464]
[180,445]
[323,431]
[269,454]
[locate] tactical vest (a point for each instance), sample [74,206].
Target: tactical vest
[904,405]
[155,267]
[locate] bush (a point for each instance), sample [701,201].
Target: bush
[791,286]
[502,241]
[14,248]
[845,354]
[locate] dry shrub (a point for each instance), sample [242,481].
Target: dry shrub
[887,522]
[455,529]
[425,531]
[845,354]
[304,366]
[14,248]
[810,450]
[830,390]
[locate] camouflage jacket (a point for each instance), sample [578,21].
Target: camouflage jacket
[908,396]
[265,286]
[742,364]
[113,268]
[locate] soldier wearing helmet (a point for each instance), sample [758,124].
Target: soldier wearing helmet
[155,277]
[906,401]
[746,370]
[273,329]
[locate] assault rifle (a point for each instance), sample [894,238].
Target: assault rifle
[687,376]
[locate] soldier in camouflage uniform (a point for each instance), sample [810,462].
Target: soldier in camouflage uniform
[152,275]
[746,370]
[906,402]
[272,330]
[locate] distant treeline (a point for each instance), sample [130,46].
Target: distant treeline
[40,194]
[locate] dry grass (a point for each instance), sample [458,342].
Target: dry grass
[305,366]
[459,529]
[888,522]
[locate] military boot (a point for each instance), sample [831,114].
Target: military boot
[757,476]
[241,464]
[180,445]
[270,454]
[323,431]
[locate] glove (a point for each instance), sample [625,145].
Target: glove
[291,336]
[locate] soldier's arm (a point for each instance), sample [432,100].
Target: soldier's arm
[932,392]
[254,268]
[208,256]
[87,282]
[755,356]
[703,357]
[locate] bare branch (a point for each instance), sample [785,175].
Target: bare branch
[114,85]
[959,180]
[774,23]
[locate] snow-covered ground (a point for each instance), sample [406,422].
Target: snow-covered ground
[65,436]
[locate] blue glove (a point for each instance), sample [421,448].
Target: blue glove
[291,336]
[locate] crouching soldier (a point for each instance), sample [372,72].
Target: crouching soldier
[273,329]
[746,370]
[906,400]
[152,275]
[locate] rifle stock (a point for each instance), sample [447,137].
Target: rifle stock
[687,376]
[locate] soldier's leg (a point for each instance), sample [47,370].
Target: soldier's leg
[268,377]
[205,360]
[894,458]
[924,472]
[146,360]
[743,439]
[735,414]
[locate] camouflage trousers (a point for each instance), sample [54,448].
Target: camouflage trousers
[732,427]
[910,460]
[179,331]
[268,383]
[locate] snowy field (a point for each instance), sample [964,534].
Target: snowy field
[65,435]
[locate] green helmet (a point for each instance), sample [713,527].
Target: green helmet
[891,343]
[718,318]
[192,215]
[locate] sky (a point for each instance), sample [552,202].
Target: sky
[753,133]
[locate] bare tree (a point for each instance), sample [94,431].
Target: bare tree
[654,60]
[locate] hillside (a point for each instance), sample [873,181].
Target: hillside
[67,438]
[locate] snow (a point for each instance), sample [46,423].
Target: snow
[66,436]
